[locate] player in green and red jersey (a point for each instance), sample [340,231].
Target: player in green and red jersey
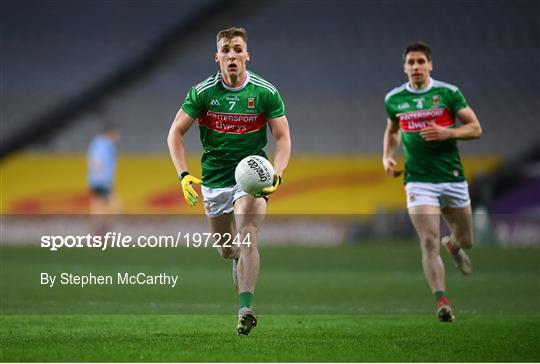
[233,109]
[423,113]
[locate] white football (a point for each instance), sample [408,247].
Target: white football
[254,173]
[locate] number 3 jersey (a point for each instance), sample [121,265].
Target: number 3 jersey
[438,103]
[232,123]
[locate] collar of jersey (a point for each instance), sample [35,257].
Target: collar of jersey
[422,90]
[239,87]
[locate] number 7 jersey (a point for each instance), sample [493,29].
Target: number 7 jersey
[232,123]
[437,104]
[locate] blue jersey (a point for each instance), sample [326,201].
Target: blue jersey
[101,162]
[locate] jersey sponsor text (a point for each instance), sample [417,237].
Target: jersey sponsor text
[417,120]
[232,123]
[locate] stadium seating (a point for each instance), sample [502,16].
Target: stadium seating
[53,51]
[332,61]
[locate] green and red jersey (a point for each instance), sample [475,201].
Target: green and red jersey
[438,103]
[232,123]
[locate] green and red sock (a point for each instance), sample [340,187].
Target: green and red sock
[452,248]
[441,298]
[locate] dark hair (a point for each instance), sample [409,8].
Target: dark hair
[231,33]
[418,47]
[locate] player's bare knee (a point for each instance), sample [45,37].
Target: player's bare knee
[248,229]
[249,241]
[430,245]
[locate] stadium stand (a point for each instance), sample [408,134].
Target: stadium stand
[332,61]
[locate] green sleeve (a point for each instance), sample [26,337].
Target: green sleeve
[389,112]
[274,106]
[458,101]
[192,104]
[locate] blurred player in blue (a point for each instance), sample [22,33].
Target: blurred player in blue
[101,175]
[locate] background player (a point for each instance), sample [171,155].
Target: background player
[101,175]
[232,108]
[424,111]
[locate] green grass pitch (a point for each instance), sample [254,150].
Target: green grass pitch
[353,303]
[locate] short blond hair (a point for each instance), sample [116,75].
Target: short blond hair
[231,33]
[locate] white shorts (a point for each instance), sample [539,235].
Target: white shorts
[451,194]
[219,201]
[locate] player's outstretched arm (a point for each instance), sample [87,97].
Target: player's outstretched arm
[182,122]
[392,138]
[175,141]
[471,128]
[279,127]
